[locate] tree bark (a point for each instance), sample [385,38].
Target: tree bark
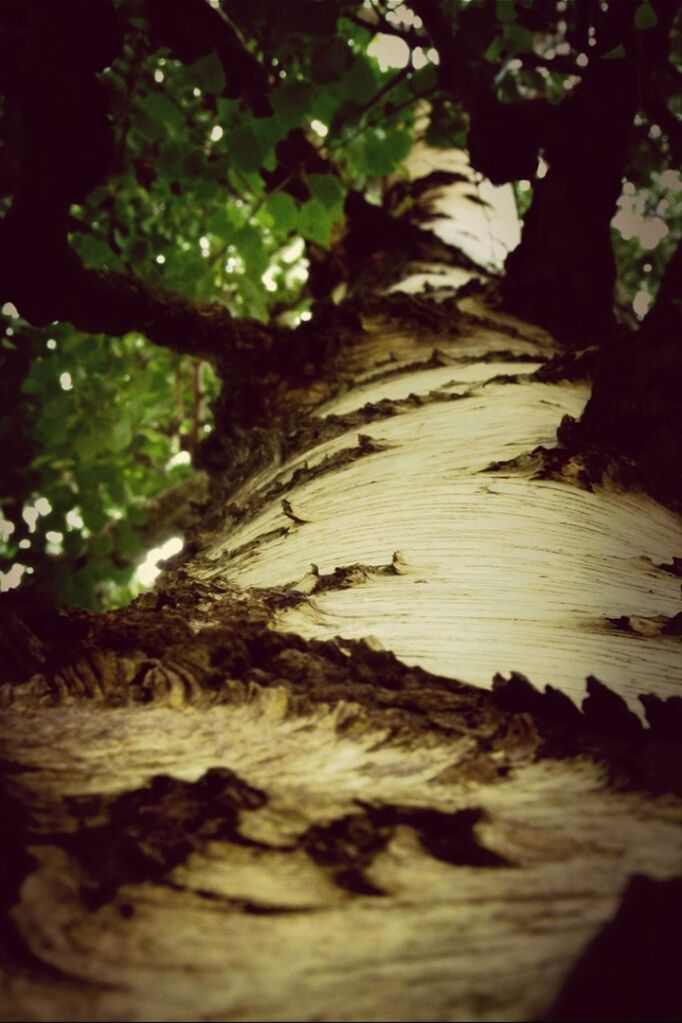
[305,777]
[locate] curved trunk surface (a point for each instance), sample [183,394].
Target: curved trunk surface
[284,786]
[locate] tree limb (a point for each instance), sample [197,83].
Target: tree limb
[409,35]
[59,287]
[67,149]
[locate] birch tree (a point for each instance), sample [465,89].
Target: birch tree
[397,734]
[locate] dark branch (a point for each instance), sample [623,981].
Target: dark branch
[463,71]
[409,35]
[395,80]
[565,260]
[67,149]
[586,145]
[571,267]
[106,302]
[635,405]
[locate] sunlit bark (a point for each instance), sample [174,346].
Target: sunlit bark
[211,818]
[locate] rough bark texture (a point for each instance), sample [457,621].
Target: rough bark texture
[270,790]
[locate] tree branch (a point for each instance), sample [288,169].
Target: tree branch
[635,403]
[409,35]
[67,148]
[459,74]
[585,142]
[59,287]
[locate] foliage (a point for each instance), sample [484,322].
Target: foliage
[211,200]
[110,420]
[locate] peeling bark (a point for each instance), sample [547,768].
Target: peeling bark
[308,776]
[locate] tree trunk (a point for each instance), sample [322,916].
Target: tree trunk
[282,787]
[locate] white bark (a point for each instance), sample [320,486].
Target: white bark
[502,571]
[477,572]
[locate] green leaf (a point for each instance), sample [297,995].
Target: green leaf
[283,210]
[91,442]
[517,40]
[254,296]
[101,546]
[93,514]
[383,153]
[53,424]
[246,150]
[187,272]
[360,82]
[146,125]
[95,253]
[240,179]
[423,80]
[120,435]
[226,220]
[249,243]
[314,223]
[171,158]
[326,104]
[505,10]
[645,17]
[163,111]
[115,482]
[137,515]
[228,109]
[617,53]
[494,51]
[127,541]
[268,131]
[208,74]
[331,59]
[328,189]
[292,102]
